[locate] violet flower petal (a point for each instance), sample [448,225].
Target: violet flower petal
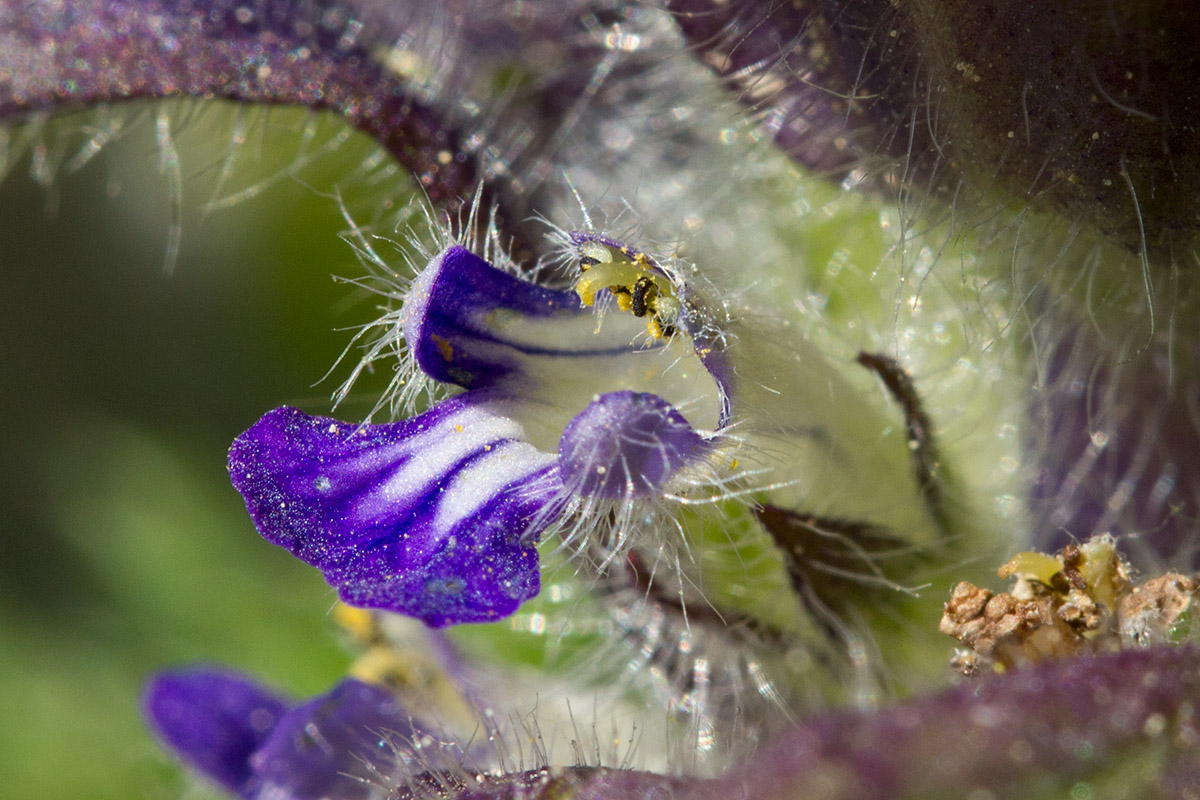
[428,516]
[335,745]
[463,321]
[470,324]
[626,444]
[260,747]
[214,720]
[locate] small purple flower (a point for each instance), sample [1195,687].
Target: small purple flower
[215,720]
[566,416]
[1112,724]
[580,423]
[257,745]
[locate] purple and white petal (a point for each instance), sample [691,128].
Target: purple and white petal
[469,323]
[438,517]
[476,326]
[429,517]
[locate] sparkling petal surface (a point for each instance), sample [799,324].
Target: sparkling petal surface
[428,517]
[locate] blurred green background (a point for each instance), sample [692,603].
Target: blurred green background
[125,550]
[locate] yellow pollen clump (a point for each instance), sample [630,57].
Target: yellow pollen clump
[633,280]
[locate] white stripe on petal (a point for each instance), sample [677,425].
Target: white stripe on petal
[428,456]
[484,481]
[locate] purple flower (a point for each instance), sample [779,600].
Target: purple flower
[216,720]
[578,421]
[565,416]
[260,746]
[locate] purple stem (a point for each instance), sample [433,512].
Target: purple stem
[58,57]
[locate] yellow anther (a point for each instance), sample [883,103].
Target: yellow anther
[358,622]
[382,667]
[586,288]
[638,286]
